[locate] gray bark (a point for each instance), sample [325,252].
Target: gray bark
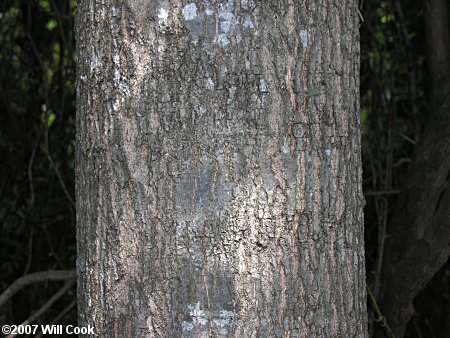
[218,169]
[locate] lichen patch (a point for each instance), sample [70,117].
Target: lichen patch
[190,11]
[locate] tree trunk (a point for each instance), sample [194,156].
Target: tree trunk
[219,169]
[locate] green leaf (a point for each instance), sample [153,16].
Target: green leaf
[56,50]
[45,5]
[51,25]
[51,118]
[363,115]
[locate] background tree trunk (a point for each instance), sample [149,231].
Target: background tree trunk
[218,169]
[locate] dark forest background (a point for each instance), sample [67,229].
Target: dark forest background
[406,147]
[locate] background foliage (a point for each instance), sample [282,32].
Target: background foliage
[37,100]
[37,94]
[395,106]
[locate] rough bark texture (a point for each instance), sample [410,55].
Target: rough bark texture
[419,232]
[219,170]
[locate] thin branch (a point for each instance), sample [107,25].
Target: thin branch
[382,230]
[380,318]
[382,192]
[30,169]
[60,22]
[409,139]
[402,161]
[60,315]
[30,251]
[35,277]
[38,56]
[56,170]
[46,306]
[50,246]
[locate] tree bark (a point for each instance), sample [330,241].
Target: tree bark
[219,169]
[419,232]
